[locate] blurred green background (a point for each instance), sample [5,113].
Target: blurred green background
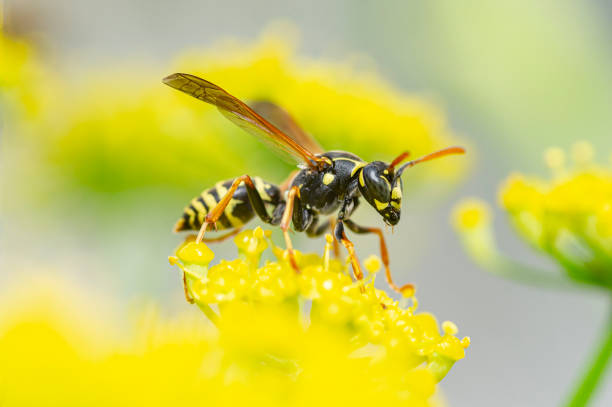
[99,158]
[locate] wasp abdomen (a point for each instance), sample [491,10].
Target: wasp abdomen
[237,213]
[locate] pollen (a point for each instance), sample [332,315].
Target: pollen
[372,264]
[195,253]
[449,328]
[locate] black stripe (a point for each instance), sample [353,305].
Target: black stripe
[201,200]
[213,192]
[224,222]
[196,221]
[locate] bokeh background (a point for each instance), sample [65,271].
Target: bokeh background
[506,79]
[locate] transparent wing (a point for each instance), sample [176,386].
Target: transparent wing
[242,115]
[283,121]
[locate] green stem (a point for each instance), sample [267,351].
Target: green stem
[595,369]
[209,312]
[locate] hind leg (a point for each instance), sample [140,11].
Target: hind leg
[254,198]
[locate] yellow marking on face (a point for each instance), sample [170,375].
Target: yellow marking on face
[380,205]
[261,188]
[386,180]
[361,181]
[229,212]
[386,172]
[396,193]
[396,205]
[356,168]
[328,178]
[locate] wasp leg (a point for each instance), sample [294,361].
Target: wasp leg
[254,199]
[335,244]
[315,230]
[384,254]
[293,194]
[350,248]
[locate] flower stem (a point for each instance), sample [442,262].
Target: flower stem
[595,370]
[209,312]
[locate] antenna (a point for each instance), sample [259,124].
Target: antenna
[431,156]
[398,160]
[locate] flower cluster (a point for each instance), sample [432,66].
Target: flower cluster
[388,349]
[281,339]
[568,217]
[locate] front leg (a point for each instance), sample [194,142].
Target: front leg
[407,289]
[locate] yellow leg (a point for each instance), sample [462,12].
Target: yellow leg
[213,216]
[336,245]
[286,222]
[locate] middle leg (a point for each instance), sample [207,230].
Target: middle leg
[286,222]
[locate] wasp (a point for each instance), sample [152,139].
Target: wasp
[322,194]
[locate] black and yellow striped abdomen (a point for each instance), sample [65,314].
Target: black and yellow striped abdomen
[238,212]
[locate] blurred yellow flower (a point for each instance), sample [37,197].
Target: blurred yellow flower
[120,130]
[24,84]
[568,216]
[280,339]
[471,214]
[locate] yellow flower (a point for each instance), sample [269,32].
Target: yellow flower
[568,216]
[121,129]
[368,325]
[473,217]
[57,347]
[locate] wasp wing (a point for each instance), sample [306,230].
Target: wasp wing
[283,121]
[241,114]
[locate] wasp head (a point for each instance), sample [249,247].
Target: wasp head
[381,184]
[382,189]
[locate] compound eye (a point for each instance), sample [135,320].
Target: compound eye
[377,185]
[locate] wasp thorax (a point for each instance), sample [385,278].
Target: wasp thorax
[381,190]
